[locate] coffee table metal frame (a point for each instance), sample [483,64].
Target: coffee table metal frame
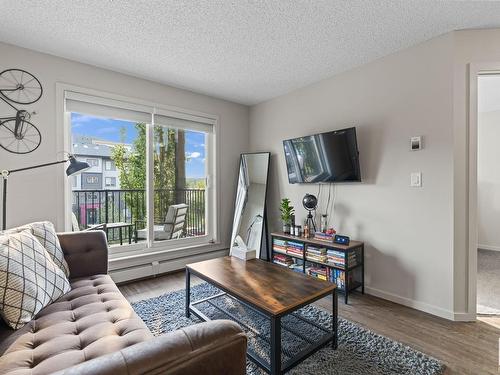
[275,366]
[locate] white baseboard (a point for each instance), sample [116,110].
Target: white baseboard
[489,247]
[422,306]
[464,317]
[157,268]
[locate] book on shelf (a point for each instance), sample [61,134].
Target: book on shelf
[315,258]
[279,242]
[275,261]
[283,258]
[299,245]
[296,253]
[279,248]
[338,277]
[323,236]
[338,258]
[316,250]
[316,254]
[321,273]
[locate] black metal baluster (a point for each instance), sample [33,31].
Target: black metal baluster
[85,209]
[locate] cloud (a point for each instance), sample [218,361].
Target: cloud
[78,119]
[193,155]
[108,130]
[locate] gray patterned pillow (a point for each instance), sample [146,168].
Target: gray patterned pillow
[29,278]
[45,232]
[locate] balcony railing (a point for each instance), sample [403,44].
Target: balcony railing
[92,207]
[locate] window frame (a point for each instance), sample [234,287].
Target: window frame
[111,184]
[209,241]
[111,168]
[93,162]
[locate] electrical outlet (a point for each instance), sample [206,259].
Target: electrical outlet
[416,179]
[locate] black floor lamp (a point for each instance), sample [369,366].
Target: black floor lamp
[74,167]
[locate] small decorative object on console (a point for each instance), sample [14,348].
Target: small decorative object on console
[341,240]
[310,202]
[286,211]
[324,223]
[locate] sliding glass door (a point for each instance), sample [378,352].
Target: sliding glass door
[149,176]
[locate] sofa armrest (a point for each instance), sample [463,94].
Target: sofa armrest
[217,347]
[85,252]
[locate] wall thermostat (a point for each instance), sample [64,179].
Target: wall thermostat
[416,143]
[341,240]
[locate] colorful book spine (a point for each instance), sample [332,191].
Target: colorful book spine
[323,236]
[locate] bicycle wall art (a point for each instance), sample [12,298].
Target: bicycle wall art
[17,134]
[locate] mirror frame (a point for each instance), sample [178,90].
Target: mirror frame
[264,231]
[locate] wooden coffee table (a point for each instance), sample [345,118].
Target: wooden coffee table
[272,291]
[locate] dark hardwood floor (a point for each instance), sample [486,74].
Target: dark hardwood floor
[465,348]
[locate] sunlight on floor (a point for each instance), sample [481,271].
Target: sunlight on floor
[492,320]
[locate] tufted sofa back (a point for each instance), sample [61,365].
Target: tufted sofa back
[85,252]
[91,320]
[94,330]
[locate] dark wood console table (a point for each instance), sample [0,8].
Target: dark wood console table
[352,271]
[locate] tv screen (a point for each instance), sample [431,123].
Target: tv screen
[325,157]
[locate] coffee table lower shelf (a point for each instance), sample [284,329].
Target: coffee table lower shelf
[274,365]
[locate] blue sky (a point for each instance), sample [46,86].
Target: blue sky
[109,130]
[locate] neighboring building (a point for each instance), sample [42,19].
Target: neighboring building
[101,177]
[103,174]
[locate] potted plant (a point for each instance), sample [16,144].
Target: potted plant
[286,214]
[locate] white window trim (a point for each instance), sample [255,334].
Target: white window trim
[182,246]
[111,184]
[112,166]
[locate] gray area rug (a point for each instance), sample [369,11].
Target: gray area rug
[488,282]
[360,351]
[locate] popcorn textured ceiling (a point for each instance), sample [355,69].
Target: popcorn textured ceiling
[243,51]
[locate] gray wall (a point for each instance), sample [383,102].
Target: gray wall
[418,238]
[408,231]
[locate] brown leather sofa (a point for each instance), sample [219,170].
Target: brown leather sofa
[94,330]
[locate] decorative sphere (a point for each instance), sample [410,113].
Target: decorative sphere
[309,202]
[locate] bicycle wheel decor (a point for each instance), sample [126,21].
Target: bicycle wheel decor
[17,134]
[20,87]
[27,140]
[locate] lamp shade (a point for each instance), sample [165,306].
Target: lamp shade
[76,166]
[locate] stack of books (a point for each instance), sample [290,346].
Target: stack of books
[338,277]
[279,246]
[337,258]
[324,236]
[282,260]
[319,272]
[295,249]
[316,254]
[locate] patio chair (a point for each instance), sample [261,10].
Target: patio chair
[173,226]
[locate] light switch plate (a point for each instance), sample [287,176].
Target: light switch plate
[416,143]
[416,179]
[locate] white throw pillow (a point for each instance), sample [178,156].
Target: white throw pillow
[29,278]
[45,232]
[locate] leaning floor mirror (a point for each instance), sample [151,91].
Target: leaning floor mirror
[249,210]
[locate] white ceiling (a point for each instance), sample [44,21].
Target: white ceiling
[243,51]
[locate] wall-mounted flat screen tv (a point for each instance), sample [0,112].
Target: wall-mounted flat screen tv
[325,157]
